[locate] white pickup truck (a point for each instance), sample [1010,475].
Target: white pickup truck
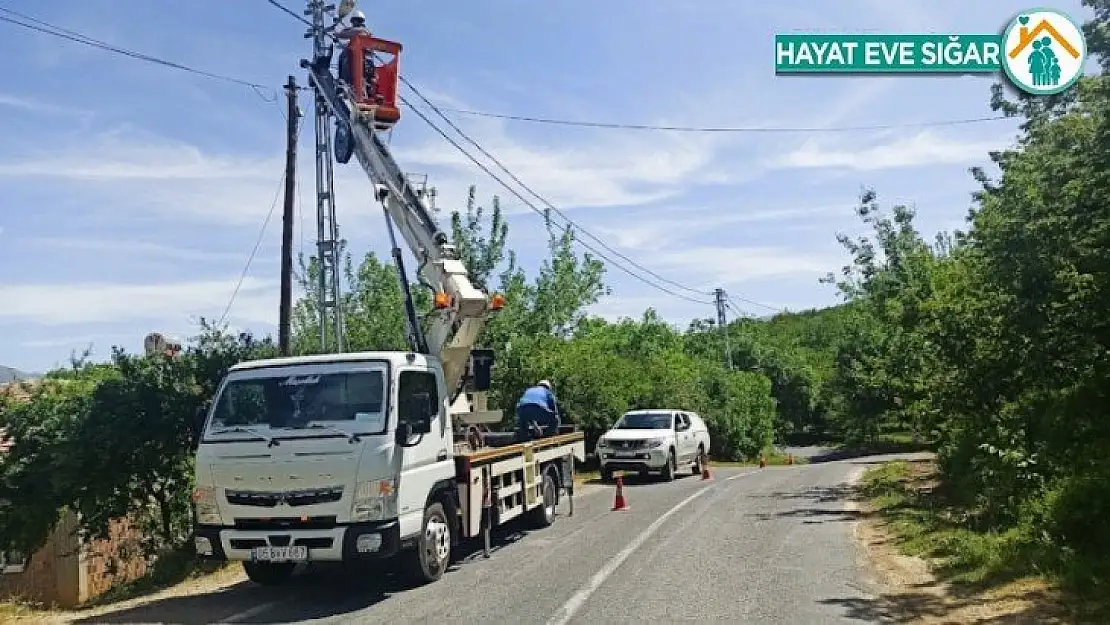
[652,440]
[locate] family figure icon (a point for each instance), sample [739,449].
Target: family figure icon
[1045,51]
[1044,67]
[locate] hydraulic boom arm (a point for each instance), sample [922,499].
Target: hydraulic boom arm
[461,308]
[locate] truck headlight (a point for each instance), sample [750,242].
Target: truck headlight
[602,443]
[374,500]
[656,443]
[204,503]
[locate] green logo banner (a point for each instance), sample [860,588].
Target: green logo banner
[1041,51]
[886,54]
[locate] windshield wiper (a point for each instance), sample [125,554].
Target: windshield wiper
[270,441]
[351,436]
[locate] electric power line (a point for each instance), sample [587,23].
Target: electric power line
[57,31]
[542,199]
[535,209]
[258,241]
[721,129]
[290,12]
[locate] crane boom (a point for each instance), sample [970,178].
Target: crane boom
[461,308]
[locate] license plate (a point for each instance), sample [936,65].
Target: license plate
[280,554]
[624,454]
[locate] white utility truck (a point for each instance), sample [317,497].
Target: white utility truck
[357,457]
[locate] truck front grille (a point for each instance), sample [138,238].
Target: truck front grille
[270,499]
[286,523]
[635,444]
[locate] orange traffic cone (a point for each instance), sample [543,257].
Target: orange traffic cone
[762,461]
[705,468]
[618,502]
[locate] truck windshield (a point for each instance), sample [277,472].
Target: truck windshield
[645,421]
[296,401]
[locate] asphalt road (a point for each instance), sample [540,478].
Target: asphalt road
[767,545]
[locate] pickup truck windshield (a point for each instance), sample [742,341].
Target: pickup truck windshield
[298,401]
[645,421]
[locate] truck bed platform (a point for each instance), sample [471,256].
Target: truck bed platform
[493,454]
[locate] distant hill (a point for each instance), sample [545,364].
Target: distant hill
[7,374]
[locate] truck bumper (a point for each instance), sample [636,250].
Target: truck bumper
[341,543]
[645,460]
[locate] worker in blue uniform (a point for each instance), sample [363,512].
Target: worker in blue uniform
[537,412]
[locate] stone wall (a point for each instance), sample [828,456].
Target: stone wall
[115,560]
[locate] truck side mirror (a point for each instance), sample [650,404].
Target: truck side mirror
[417,413]
[481,366]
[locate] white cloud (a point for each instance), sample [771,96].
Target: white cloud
[921,149]
[34,105]
[90,302]
[721,265]
[135,248]
[601,171]
[659,230]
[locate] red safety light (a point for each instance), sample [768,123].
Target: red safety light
[442,300]
[497,302]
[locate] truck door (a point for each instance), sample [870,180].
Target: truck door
[428,459]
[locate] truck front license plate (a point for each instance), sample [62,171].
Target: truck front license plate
[280,554]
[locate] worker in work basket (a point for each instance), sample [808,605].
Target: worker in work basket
[537,412]
[357,27]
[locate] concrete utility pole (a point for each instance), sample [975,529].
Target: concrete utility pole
[285,310]
[722,322]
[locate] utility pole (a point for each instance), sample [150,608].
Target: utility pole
[327,230]
[285,310]
[722,322]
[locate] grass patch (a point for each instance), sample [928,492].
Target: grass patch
[908,497]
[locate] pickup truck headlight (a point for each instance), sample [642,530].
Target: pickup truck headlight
[602,443]
[204,503]
[656,443]
[375,500]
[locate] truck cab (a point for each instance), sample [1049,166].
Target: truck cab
[324,458]
[654,440]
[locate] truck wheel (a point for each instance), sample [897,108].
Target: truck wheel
[428,562]
[269,573]
[543,515]
[669,469]
[697,460]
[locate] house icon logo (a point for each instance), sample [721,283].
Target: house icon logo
[1044,51]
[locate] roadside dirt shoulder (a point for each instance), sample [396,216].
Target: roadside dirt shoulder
[224,578]
[911,593]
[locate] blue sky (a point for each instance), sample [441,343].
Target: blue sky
[132,193]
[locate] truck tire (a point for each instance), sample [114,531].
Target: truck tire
[543,515]
[669,469]
[429,561]
[269,573]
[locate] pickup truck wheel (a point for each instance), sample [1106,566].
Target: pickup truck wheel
[269,573]
[543,515]
[697,460]
[429,561]
[671,467]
